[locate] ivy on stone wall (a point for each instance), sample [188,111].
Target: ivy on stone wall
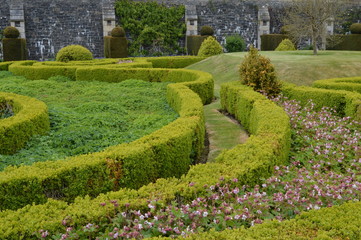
[154,29]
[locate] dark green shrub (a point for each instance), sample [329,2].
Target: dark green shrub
[235,43]
[285,29]
[210,47]
[286,45]
[355,28]
[194,43]
[115,47]
[207,31]
[351,42]
[257,72]
[73,53]
[270,42]
[14,49]
[11,32]
[118,32]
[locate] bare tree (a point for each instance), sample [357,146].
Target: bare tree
[309,18]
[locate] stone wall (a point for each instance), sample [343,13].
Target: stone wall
[4,19]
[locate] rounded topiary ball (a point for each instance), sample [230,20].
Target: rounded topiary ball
[118,32]
[11,32]
[355,28]
[207,31]
[73,53]
[210,47]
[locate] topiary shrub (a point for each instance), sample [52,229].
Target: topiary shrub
[285,29]
[286,45]
[235,43]
[73,53]
[210,47]
[118,32]
[207,31]
[355,28]
[257,72]
[11,32]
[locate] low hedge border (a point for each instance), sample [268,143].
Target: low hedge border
[337,222]
[34,70]
[257,156]
[4,66]
[31,118]
[346,103]
[352,84]
[164,153]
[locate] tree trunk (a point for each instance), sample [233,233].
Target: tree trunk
[314,44]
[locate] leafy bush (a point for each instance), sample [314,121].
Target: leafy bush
[235,43]
[73,53]
[270,42]
[118,32]
[11,32]
[207,31]
[286,45]
[355,28]
[166,21]
[257,72]
[210,47]
[285,29]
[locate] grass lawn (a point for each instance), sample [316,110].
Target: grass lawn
[298,67]
[87,117]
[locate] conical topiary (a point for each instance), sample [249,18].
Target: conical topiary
[210,47]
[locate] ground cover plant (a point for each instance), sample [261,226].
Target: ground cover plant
[88,116]
[324,171]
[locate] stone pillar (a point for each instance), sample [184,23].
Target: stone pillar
[191,18]
[329,30]
[263,23]
[17,18]
[108,17]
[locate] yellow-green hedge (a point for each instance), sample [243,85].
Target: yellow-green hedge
[345,102]
[4,66]
[258,155]
[164,153]
[31,118]
[352,84]
[338,222]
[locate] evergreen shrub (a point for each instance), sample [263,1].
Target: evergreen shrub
[11,32]
[355,28]
[286,45]
[235,43]
[257,72]
[207,31]
[194,43]
[73,53]
[210,47]
[118,32]
[270,42]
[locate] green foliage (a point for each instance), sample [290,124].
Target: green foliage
[286,45]
[257,72]
[352,84]
[210,47]
[355,28]
[73,53]
[207,31]
[170,149]
[270,42]
[118,32]
[99,115]
[344,102]
[14,49]
[235,43]
[115,47]
[285,29]
[194,43]
[350,42]
[11,32]
[154,28]
[31,118]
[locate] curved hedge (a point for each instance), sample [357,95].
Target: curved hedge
[352,84]
[164,153]
[31,118]
[257,155]
[345,102]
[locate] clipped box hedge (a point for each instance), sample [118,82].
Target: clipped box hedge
[164,153]
[351,42]
[344,102]
[193,44]
[31,118]
[352,84]
[14,49]
[269,42]
[115,47]
[257,156]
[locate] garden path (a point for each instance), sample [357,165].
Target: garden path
[223,131]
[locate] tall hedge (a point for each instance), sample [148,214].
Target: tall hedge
[350,42]
[193,43]
[115,47]
[269,42]
[14,49]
